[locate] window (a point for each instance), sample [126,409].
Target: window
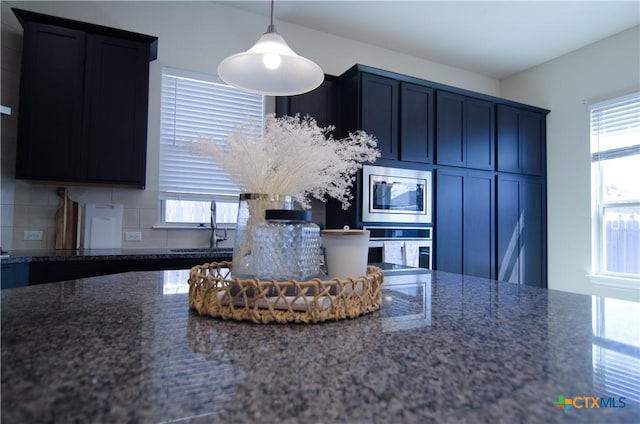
[615,156]
[615,345]
[198,105]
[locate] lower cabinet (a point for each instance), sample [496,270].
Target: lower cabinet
[14,275]
[41,272]
[465,222]
[448,220]
[491,226]
[522,228]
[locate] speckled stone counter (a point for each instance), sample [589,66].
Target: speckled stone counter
[40,266]
[442,348]
[75,255]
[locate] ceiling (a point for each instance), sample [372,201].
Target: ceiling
[492,38]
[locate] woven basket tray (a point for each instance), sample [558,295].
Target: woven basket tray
[213,292]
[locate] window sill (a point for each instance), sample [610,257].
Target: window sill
[614,280]
[192,227]
[619,287]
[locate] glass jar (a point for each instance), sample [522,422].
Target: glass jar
[287,246]
[251,211]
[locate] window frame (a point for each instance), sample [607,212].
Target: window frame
[599,203]
[163,196]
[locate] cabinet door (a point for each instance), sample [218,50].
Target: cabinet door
[464,234]
[509,228]
[450,143]
[379,109]
[508,139]
[318,104]
[478,225]
[533,265]
[116,90]
[521,141]
[416,123]
[14,275]
[449,220]
[466,135]
[521,217]
[532,136]
[480,134]
[51,103]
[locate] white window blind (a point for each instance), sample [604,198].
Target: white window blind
[615,125]
[194,106]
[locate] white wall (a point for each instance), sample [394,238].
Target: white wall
[192,35]
[566,86]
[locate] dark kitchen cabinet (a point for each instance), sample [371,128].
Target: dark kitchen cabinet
[370,103]
[321,104]
[449,201]
[521,218]
[14,275]
[416,123]
[465,131]
[83,102]
[379,112]
[488,158]
[479,225]
[400,114]
[50,121]
[521,140]
[465,222]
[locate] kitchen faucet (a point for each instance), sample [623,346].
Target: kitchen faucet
[215,238]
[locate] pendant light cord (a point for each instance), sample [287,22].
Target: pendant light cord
[272,27]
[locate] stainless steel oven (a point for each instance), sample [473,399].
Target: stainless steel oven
[394,195]
[401,246]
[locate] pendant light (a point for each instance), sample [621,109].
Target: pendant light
[271,68]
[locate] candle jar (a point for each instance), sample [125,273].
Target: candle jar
[251,212]
[287,246]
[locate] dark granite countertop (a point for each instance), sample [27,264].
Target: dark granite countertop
[442,348]
[51,255]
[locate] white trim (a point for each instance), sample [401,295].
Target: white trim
[176,226]
[617,281]
[192,75]
[617,287]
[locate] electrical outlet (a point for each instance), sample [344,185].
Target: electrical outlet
[132,235]
[32,235]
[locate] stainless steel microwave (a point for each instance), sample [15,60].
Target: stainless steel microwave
[394,195]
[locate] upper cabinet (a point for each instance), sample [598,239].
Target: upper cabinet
[83,102]
[379,112]
[465,131]
[521,141]
[321,104]
[416,123]
[399,114]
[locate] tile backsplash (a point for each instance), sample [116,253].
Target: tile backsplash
[36,205]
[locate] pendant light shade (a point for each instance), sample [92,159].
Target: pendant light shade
[271,68]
